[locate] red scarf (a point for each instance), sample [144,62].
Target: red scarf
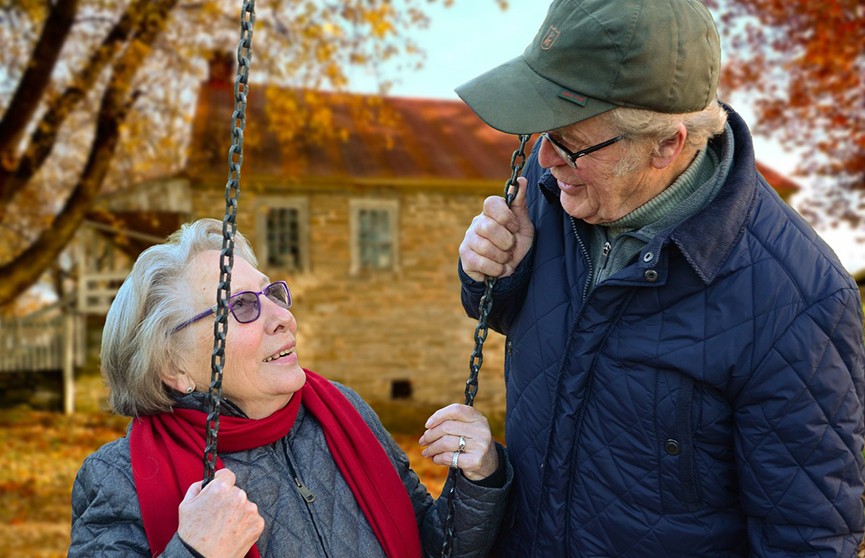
[167,457]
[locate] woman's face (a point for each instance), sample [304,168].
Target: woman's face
[261,370]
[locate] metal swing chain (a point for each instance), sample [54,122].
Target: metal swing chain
[229,229]
[518,161]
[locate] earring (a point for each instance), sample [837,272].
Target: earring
[190,389]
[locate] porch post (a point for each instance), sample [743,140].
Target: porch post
[68,362]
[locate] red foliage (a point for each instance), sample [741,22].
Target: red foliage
[804,64]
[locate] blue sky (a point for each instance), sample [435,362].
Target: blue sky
[473,36]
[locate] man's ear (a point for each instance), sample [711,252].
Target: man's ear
[669,149]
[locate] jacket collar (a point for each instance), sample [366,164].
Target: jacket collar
[728,213]
[725,216]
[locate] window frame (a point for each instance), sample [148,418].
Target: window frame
[263,205]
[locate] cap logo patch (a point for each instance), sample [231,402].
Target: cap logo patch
[550,38]
[573,97]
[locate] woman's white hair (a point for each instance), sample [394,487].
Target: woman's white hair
[651,128]
[138,343]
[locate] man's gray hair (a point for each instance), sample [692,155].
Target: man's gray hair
[654,127]
[138,343]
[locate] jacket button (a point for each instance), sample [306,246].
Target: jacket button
[647,257]
[672,446]
[651,275]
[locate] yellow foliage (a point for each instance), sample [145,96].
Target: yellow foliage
[380,20]
[34,10]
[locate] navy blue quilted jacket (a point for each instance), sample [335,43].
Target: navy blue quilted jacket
[705,401]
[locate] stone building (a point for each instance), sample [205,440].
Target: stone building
[365,229]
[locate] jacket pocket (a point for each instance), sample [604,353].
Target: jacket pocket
[509,349]
[678,461]
[690,486]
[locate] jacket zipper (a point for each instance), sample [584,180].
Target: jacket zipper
[588,259]
[305,493]
[585,295]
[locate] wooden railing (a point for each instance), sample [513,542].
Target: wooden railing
[31,344]
[42,342]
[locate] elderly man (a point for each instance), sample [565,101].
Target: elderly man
[684,356]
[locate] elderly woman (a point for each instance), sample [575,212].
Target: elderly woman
[305,466]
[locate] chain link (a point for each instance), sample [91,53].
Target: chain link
[229,229]
[518,161]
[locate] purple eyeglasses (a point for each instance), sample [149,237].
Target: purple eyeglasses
[246,305]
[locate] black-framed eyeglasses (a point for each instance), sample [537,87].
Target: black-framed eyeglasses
[246,305]
[571,157]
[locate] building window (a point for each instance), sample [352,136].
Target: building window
[375,242]
[400,389]
[374,234]
[282,233]
[283,237]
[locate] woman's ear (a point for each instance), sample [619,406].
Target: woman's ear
[178,380]
[668,150]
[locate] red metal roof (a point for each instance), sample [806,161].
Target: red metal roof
[421,139]
[415,139]
[785,186]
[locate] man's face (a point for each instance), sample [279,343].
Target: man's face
[599,190]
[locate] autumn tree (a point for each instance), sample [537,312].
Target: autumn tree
[803,65]
[96,94]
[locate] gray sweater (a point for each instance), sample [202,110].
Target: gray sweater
[106,519]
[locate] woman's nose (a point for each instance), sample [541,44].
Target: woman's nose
[277,316]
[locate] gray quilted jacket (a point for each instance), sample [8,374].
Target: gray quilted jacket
[106,520]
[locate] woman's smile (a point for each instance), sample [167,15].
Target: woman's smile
[283,356]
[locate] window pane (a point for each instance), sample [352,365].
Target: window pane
[283,238]
[374,243]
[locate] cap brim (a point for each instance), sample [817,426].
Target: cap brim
[515,99]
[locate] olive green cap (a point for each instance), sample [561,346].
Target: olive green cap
[590,56]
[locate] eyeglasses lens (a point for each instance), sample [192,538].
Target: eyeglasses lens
[559,150]
[278,293]
[564,155]
[245,307]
